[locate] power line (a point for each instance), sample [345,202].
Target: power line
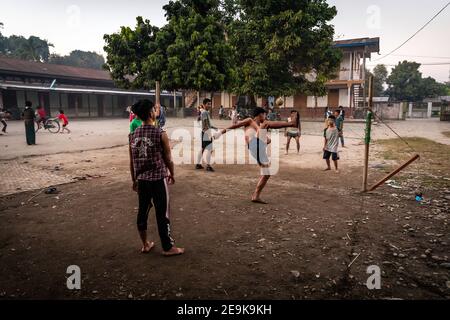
[426,24]
[412,56]
[421,64]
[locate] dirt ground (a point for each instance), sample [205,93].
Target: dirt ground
[314,240]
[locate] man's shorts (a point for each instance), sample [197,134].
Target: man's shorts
[293,134]
[206,141]
[327,155]
[258,150]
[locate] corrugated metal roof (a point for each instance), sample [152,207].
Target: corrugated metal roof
[52,70]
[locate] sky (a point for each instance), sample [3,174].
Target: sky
[81,24]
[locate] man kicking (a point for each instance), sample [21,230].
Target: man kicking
[257,141]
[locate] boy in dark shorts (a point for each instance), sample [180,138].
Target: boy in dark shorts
[152,170]
[330,148]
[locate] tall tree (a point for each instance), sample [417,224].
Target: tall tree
[199,57]
[78,58]
[380,75]
[129,56]
[406,83]
[33,48]
[282,47]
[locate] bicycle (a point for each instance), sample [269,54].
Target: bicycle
[50,124]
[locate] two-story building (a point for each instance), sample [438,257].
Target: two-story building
[347,90]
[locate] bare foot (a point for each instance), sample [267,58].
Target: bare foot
[147,247]
[259,201]
[337,171]
[173,252]
[327,169]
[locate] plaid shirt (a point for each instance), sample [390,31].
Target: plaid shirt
[146,152]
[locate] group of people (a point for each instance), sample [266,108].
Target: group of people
[152,168]
[32,118]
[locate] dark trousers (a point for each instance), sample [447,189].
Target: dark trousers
[5,125]
[29,132]
[155,192]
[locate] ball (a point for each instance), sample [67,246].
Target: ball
[279,102]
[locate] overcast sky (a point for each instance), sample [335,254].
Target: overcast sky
[80,24]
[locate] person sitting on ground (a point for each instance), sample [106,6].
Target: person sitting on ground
[152,169]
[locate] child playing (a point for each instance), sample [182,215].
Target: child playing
[152,169]
[4,115]
[330,148]
[65,121]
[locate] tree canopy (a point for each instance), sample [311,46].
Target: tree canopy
[32,48]
[190,52]
[78,58]
[406,83]
[380,75]
[38,50]
[257,47]
[282,47]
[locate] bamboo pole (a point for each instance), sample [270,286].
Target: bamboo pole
[393,173]
[368,136]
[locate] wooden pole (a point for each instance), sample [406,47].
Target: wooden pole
[393,173]
[368,135]
[158,93]
[175,100]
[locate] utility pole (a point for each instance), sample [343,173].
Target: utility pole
[368,135]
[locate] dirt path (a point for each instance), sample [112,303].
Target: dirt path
[298,247]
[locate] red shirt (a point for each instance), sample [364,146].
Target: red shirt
[41,113]
[63,118]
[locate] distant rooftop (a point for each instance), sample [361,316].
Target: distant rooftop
[24,67]
[371,44]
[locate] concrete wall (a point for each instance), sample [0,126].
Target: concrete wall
[391,111]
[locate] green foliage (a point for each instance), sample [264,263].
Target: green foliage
[32,49]
[190,52]
[380,75]
[279,43]
[198,57]
[406,84]
[78,58]
[256,47]
[128,55]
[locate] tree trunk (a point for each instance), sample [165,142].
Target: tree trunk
[158,93]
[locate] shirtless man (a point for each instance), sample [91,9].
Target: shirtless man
[257,141]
